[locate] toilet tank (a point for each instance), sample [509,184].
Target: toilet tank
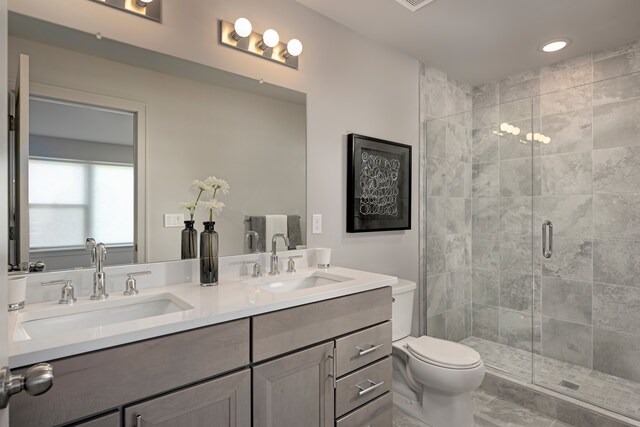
[402,308]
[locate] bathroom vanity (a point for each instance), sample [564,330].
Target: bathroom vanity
[323,359]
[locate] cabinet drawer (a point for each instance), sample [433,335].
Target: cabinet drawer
[357,350]
[95,382]
[360,387]
[287,330]
[377,413]
[110,420]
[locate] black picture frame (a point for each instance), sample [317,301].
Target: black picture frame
[386,168]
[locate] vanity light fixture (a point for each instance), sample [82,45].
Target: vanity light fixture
[150,9]
[241,36]
[143,3]
[554,45]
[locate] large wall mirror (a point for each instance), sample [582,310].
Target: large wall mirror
[108,139]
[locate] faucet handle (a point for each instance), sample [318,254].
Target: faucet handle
[291,267]
[67,292]
[257,267]
[130,286]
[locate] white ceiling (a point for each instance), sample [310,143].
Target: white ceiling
[482,40]
[80,122]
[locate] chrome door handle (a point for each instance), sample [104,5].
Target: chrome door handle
[547,251]
[371,349]
[364,390]
[36,381]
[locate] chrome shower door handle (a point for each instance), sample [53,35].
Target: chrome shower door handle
[547,234]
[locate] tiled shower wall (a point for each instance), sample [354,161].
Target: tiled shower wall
[587,181]
[446,158]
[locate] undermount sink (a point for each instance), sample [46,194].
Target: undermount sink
[86,316]
[282,284]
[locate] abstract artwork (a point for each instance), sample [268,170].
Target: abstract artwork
[378,185]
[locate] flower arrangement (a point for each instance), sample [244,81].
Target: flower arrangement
[207,196]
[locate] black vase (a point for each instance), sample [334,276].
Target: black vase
[189,241]
[209,255]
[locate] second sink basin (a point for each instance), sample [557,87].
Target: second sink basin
[282,284]
[86,316]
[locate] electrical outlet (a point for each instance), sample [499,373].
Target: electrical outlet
[316,224]
[173,220]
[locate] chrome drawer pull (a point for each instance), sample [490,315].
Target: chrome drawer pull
[139,421]
[371,349]
[369,389]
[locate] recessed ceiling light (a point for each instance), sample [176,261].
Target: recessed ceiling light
[554,45]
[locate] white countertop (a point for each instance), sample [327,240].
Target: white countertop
[231,299]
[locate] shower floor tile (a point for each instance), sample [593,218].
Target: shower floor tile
[608,391]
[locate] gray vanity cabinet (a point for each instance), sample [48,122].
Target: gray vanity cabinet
[223,402]
[109,420]
[295,390]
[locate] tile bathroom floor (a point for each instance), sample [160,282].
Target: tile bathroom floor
[608,391]
[489,411]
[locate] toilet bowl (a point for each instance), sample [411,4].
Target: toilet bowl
[433,378]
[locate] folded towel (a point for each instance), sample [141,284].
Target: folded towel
[258,224]
[276,224]
[294,231]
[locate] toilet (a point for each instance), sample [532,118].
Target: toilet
[432,378]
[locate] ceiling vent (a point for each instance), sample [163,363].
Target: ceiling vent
[414,5]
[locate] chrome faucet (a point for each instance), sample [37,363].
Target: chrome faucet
[253,248]
[274,253]
[98,254]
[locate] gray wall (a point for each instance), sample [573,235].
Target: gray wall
[586,181]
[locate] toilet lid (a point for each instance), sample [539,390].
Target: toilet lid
[444,353]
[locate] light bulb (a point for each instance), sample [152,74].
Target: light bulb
[143,3]
[271,38]
[294,47]
[510,129]
[529,136]
[504,127]
[516,131]
[537,137]
[546,140]
[242,27]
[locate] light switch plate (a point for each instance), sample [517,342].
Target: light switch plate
[173,220]
[316,224]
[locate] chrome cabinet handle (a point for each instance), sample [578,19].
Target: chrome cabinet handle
[36,381]
[139,421]
[369,389]
[547,251]
[371,349]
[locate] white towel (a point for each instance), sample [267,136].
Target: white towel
[275,224]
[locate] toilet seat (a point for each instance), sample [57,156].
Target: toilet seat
[442,353]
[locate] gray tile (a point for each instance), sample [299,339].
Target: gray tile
[485,95]
[436,216]
[433,93]
[516,291]
[485,117]
[618,89]
[616,170]
[458,252]
[456,326]
[436,294]
[458,178]
[436,171]
[436,247]
[486,180]
[569,132]
[485,145]
[485,216]
[576,98]
[486,287]
[462,119]
[616,124]
[566,64]
[566,174]
[516,215]
[566,300]
[616,216]
[400,419]
[516,110]
[566,78]
[458,99]
[502,413]
[486,252]
[458,288]
[616,66]
[572,216]
[616,262]
[481,398]
[458,216]
[516,329]
[485,322]
[511,91]
[565,341]
[616,353]
[617,50]
[516,178]
[437,326]
[571,259]
[617,308]
[436,138]
[513,147]
[516,254]
[458,143]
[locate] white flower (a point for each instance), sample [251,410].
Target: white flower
[217,184]
[213,205]
[201,185]
[190,206]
